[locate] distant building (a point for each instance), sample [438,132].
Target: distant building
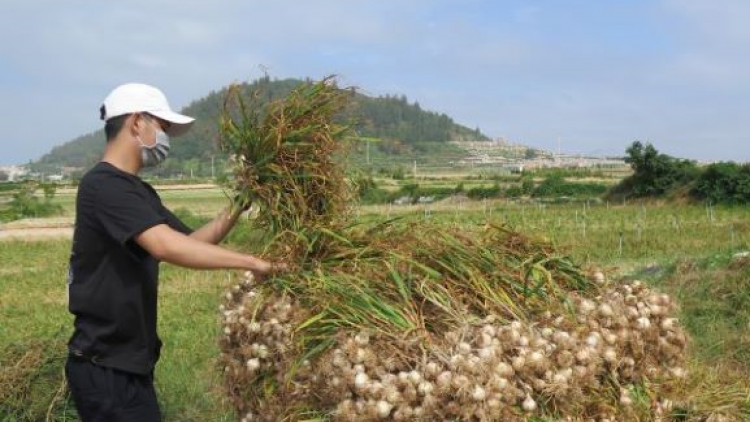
[513,167]
[68,171]
[404,200]
[14,172]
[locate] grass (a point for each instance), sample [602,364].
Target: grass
[205,202]
[187,379]
[33,311]
[713,292]
[592,232]
[692,261]
[714,295]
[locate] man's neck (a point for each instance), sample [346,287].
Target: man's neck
[122,156]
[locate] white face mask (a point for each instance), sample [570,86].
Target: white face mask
[156,153]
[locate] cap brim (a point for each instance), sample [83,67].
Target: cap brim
[179,124]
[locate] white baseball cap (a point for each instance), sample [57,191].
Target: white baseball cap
[142,98]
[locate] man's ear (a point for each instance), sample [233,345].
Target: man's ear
[135,124]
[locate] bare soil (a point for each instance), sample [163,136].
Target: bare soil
[37,229]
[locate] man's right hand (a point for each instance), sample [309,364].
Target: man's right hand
[269,269]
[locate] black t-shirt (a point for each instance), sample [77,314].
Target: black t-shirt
[113,282]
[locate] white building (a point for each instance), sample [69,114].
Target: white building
[14,172]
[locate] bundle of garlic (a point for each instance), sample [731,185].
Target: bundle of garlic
[416,321]
[585,358]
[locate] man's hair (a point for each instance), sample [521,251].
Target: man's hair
[114,125]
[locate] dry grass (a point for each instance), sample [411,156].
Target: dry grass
[32,385]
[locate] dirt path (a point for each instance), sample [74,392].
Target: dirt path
[37,229]
[44,233]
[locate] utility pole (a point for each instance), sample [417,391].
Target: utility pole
[213,174]
[367,146]
[415,169]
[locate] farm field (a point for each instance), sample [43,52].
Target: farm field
[686,250]
[36,323]
[202,199]
[596,232]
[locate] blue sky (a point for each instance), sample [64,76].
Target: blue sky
[595,74]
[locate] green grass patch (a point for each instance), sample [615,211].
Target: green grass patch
[34,318]
[714,296]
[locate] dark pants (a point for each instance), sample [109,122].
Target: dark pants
[104,394]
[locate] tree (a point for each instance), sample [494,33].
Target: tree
[527,185]
[654,174]
[3,176]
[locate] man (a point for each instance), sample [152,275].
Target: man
[122,232]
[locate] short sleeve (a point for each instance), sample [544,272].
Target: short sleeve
[124,210]
[175,223]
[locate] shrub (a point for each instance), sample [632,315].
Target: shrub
[556,186]
[25,204]
[513,192]
[484,192]
[724,183]
[414,191]
[369,192]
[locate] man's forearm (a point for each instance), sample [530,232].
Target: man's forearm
[216,230]
[201,255]
[170,246]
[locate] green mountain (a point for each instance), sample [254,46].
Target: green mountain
[390,124]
